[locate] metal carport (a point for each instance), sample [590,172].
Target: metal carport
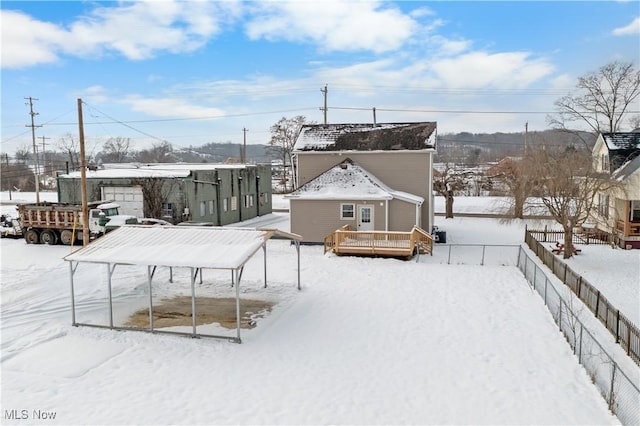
[194,247]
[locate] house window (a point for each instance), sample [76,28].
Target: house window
[603,205]
[225,204]
[167,210]
[203,208]
[347,211]
[212,207]
[635,211]
[248,200]
[605,162]
[234,203]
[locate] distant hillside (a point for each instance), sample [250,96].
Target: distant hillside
[476,148]
[221,152]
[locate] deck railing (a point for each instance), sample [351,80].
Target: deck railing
[628,229]
[384,243]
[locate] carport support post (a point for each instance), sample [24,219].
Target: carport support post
[193,299]
[264,251]
[150,299]
[237,275]
[109,274]
[298,251]
[73,299]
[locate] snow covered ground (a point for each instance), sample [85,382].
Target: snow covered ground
[366,341]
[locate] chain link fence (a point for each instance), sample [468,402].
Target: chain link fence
[615,385]
[473,254]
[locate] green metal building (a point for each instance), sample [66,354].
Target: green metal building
[218,194]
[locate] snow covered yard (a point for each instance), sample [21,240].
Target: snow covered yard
[366,341]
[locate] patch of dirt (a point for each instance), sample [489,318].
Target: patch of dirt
[177,312]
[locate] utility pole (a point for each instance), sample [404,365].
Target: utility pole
[44,158]
[35,152]
[244,145]
[374,117]
[83,179]
[526,131]
[324,91]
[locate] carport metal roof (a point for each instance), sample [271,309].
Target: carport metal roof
[197,247]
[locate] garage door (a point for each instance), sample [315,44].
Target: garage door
[129,197]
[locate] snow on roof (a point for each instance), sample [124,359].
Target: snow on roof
[197,246]
[627,169]
[349,181]
[366,137]
[166,170]
[622,140]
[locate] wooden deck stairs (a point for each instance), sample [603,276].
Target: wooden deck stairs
[379,243]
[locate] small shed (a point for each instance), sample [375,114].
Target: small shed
[194,247]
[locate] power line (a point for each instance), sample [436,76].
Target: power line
[160,120]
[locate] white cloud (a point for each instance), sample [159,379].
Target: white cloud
[95,94]
[170,107]
[334,26]
[509,70]
[141,29]
[26,41]
[136,30]
[632,29]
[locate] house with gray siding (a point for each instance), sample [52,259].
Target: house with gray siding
[220,194]
[369,176]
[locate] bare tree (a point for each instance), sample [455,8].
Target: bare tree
[446,183]
[23,154]
[156,192]
[601,100]
[283,137]
[567,186]
[158,153]
[514,173]
[116,150]
[71,147]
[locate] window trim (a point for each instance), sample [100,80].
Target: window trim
[342,211]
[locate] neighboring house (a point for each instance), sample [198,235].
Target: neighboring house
[370,177]
[618,211]
[216,193]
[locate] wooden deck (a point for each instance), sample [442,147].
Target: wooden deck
[379,243]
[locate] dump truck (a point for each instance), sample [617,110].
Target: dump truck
[54,223]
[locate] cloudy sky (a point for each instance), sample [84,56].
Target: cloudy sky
[193,72]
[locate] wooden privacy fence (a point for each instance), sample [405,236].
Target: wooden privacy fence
[626,333]
[379,243]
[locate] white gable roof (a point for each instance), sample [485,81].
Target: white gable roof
[349,181]
[199,247]
[158,170]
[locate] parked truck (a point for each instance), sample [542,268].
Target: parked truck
[53,223]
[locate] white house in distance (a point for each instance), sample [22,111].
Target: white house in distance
[368,176]
[619,210]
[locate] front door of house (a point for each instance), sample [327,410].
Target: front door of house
[365,218]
